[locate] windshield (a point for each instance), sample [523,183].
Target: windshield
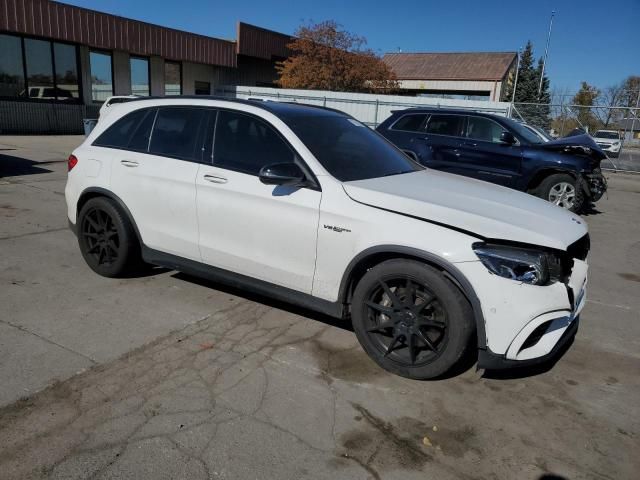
[348,149]
[524,132]
[541,132]
[603,134]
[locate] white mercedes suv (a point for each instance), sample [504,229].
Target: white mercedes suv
[308,205]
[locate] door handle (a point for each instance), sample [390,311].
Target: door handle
[470,144]
[215,179]
[129,163]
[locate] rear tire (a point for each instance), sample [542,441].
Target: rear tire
[411,320]
[107,239]
[562,190]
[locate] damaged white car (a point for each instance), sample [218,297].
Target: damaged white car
[308,205]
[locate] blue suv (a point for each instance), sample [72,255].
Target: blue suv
[499,150]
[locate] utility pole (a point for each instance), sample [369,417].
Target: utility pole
[546,53]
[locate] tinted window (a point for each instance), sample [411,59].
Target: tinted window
[484,129]
[39,68]
[139,76]
[446,125]
[66,63]
[411,123]
[11,68]
[101,80]
[175,133]
[140,139]
[348,149]
[523,131]
[202,88]
[121,132]
[246,144]
[172,78]
[605,134]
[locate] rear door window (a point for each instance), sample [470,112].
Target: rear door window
[484,129]
[452,125]
[177,133]
[245,144]
[410,123]
[121,132]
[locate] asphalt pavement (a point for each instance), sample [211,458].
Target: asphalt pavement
[168,376]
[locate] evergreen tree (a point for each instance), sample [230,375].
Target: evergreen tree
[527,90]
[542,114]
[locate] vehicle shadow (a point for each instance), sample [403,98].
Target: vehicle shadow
[256,297]
[12,166]
[590,209]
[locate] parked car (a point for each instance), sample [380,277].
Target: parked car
[310,206]
[609,141]
[496,149]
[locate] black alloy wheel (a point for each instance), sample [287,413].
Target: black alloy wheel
[100,236]
[411,319]
[406,321]
[107,238]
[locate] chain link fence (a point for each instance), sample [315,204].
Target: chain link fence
[622,124]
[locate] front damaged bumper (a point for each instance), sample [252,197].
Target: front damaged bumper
[526,324]
[594,184]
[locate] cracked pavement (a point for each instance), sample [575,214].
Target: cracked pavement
[182,378]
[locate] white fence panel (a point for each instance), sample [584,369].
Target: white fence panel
[371,109]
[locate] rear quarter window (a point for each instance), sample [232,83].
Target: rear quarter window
[123,133]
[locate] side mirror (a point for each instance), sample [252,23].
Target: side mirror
[507,138]
[282,174]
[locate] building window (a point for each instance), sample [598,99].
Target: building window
[172,78]
[202,88]
[38,69]
[11,67]
[101,76]
[65,61]
[140,76]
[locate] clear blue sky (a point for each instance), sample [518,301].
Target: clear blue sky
[593,40]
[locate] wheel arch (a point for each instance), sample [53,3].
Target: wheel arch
[373,256]
[94,192]
[545,172]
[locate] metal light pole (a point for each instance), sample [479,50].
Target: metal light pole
[546,53]
[515,81]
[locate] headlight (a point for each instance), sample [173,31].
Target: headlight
[615,144]
[532,266]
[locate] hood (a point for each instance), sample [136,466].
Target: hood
[608,141]
[582,145]
[479,208]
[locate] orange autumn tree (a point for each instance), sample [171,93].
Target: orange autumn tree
[326,57]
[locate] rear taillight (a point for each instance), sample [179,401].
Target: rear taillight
[71,162]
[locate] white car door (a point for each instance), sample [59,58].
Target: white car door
[155,178]
[263,231]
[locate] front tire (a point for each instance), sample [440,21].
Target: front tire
[411,320]
[562,190]
[107,238]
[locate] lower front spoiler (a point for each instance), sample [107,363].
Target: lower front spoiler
[494,361]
